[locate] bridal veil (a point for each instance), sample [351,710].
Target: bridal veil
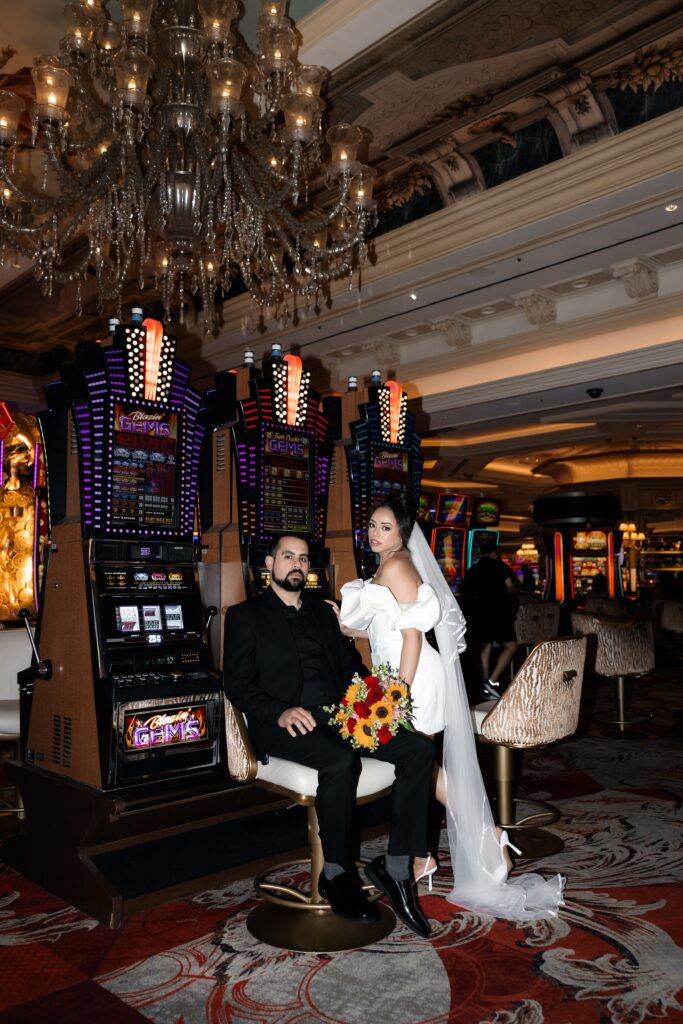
[480,875]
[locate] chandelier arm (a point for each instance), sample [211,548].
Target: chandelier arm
[97,174]
[100,112]
[36,202]
[243,175]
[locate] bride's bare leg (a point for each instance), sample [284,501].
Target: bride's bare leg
[440,792]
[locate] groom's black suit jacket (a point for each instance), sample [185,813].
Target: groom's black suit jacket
[262,673]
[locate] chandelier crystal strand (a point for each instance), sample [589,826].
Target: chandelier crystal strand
[172,155]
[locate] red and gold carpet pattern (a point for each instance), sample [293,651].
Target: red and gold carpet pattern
[610,958]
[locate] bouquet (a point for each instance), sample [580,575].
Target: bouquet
[373,709]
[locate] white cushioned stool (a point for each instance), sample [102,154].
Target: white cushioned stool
[292,917]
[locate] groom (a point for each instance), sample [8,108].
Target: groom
[285,658]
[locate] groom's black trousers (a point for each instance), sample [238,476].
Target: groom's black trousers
[338,767]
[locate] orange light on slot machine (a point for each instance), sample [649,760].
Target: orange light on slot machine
[294,370]
[559,568]
[395,396]
[610,565]
[152,356]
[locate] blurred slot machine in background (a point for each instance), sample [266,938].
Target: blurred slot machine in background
[449,536]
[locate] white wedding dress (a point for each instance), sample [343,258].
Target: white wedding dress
[367,605]
[439,696]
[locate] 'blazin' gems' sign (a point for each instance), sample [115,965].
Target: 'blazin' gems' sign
[162,728]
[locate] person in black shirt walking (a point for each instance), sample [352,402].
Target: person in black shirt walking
[490,586]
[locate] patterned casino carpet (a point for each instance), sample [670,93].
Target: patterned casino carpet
[612,956]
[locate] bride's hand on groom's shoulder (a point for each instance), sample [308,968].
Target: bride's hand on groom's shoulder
[355,634]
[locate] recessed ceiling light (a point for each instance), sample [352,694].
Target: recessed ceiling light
[580,283]
[411,334]
[345,351]
[413,296]
[671,208]
[488,310]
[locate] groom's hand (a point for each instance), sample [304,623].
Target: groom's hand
[296,718]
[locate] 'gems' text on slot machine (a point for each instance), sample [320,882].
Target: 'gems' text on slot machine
[286,446]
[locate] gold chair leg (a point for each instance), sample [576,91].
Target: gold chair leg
[621,727]
[526,832]
[290,918]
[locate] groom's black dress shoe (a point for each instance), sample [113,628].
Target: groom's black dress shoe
[347,898]
[401,896]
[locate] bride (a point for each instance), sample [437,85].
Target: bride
[407,597]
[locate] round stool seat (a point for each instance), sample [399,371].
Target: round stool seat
[302,781]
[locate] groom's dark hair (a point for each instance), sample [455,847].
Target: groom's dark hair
[405,516]
[277,540]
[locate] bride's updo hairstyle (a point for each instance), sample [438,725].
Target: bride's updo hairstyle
[402,514]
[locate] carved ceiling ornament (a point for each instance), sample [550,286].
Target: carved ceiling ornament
[539,310]
[456,333]
[388,352]
[649,69]
[495,124]
[639,280]
[400,190]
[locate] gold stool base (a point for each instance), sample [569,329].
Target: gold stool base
[317,931]
[535,842]
[547,814]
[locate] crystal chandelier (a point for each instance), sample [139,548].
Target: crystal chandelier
[163,148]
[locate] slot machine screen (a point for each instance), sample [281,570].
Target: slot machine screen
[144,468]
[287,505]
[452,509]
[477,538]
[486,512]
[390,474]
[448,546]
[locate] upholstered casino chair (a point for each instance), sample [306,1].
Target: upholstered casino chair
[291,916]
[536,620]
[671,618]
[624,648]
[539,707]
[15,655]
[599,604]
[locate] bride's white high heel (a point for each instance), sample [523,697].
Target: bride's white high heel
[504,842]
[427,872]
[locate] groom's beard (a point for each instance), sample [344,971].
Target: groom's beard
[293,581]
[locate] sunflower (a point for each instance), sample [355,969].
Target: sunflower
[364,736]
[396,692]
[382,711]
[354,693]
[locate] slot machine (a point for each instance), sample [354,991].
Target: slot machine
[383,459]
[449,534]
[283,448]
[484,519]
[130,694]
[24,530]
[580,541]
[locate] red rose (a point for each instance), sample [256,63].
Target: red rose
[373,696]
[384,734]
[361,709]
[372,681]
[344,701]
[350,725]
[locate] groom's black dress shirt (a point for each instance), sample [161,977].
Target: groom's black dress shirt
[316,687]
[262,667]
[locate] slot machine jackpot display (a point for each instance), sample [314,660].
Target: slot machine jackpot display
[23,515]
[581,542]
[384,460]
[283,448]
[485,517]
[449,536]
[132,696]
